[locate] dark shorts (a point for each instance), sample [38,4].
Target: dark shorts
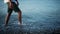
[15,8]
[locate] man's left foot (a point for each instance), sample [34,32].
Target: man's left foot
[19,23]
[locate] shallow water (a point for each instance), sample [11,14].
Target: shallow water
[38,16]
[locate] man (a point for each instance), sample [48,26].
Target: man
[13,5]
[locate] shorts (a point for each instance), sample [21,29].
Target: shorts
[15,8]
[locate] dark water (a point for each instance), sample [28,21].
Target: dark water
[38,16]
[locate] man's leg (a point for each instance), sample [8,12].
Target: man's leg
[16,9]
[8,17]
[20,16]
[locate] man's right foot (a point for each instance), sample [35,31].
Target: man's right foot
[19,23]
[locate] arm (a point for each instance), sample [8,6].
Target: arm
[10,4]
[17,2]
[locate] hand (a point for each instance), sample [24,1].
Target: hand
[17,3]
[11,5]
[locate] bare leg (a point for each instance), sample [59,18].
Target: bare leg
[20,17]
[7,18]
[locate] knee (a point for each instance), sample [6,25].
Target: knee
[19,12]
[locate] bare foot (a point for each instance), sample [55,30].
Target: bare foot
[19,23]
